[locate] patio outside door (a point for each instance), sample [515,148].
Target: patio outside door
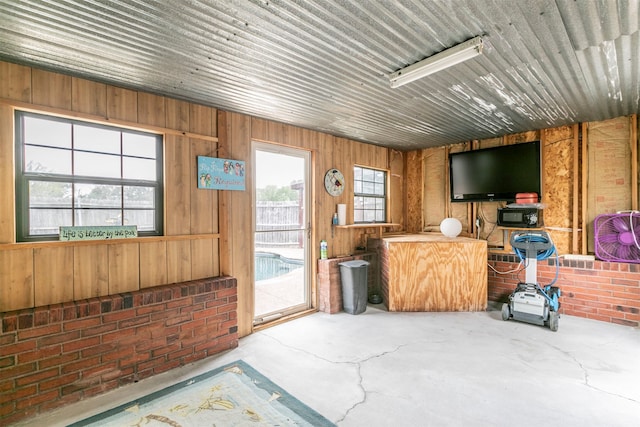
[281,231]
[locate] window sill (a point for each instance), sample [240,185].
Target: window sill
[147,239]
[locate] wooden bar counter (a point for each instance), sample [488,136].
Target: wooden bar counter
[431,272]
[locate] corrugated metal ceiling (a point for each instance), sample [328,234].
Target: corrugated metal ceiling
[324,65]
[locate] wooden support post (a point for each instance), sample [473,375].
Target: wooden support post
[585,153]
[575,220]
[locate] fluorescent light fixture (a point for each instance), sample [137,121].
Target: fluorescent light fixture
[438,62]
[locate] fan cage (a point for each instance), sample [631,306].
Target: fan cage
[617,237]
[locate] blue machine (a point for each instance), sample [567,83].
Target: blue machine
[529,302]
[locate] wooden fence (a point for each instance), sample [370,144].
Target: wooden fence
[274,216]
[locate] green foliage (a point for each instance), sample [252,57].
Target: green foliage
[272,193]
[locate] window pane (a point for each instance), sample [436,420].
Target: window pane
[47,160]
[357,188]
[47,132]
[101,165]
[379,176]
[139,197]
[134,168]
[96,139]
[358,202]
[380,216]
[144,219]
[98,217]
[380,203]
[378,189]
[49,194]
[358,215]
[98,196]
[134,144]
[369,203]
[48,221]
[367,188]
[357,173]
[367,174]
[369,216]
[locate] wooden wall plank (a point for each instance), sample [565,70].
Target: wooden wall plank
[88,97]
[122,104]
[236,248]
[203,202]
[200,119]
[396,188]
[177,114]
[203,263]
[178,181]
[414,197]
[53,275]
[323,203]
[153,264]
[7,161]
[344,240]
[369,155]
[51,89]
[16,279]
[435,187]
[90,271]
[124,268]
[15,82]
[178,261]
[151,109]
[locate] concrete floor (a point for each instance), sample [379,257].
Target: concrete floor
[433,369]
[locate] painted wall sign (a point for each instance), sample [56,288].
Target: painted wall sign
[98,232]
[220,174]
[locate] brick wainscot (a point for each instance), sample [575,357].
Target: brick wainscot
[59,354]
[606,291]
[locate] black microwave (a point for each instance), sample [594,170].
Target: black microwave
[520,217]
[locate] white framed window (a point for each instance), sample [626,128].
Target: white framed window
[369,195]
[71,173]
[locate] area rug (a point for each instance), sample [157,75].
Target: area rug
[233,395]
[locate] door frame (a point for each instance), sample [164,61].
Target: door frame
[307,155]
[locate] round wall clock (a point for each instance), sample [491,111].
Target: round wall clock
[334,182]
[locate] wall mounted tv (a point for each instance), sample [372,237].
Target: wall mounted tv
[495,174]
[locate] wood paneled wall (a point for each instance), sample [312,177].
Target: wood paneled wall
[236,132]
[207,233]
[38,274]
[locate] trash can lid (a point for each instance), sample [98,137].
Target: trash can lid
[355,263]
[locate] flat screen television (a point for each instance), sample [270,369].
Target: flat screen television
[495,174]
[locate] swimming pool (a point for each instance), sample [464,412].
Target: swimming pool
[269,265]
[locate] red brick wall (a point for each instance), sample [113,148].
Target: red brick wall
[607,291]
[59,354]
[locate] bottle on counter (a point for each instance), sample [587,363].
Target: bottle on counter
[323,249]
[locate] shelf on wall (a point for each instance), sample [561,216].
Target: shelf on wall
[377,225]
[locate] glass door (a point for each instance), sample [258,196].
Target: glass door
[281,231]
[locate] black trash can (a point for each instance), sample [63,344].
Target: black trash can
[353,275]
